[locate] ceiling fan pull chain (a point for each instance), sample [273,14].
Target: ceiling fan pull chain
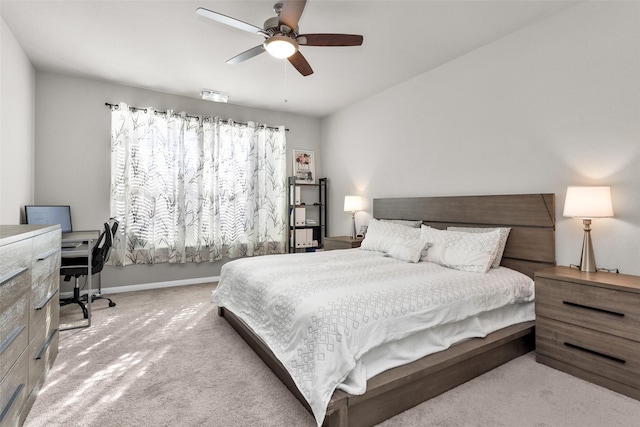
[286,86]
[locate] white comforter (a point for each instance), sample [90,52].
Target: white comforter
[321,312]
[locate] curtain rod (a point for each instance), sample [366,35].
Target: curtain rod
[117,107]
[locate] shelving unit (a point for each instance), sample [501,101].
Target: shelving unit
[307,215]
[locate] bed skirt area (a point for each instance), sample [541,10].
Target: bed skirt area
[396,390]
[440,338]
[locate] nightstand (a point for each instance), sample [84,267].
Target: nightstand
[341,242]
[588,325]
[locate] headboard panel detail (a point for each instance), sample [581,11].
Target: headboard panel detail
[531,243]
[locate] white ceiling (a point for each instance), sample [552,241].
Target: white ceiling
[165,46]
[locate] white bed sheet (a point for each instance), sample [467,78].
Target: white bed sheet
[335,319]
[433,340]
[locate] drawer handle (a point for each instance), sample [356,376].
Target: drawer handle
[597,353]
[46,345]
[48,254]
[601,310]
[12,336]
[10,403]
[13,274]
[46,299]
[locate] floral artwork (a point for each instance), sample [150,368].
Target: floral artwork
[303,167]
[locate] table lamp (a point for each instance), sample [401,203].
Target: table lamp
[352,204]
[588,203]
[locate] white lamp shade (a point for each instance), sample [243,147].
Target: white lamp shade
[588,202]
[352,203]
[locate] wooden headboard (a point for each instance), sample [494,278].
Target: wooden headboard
[531,244]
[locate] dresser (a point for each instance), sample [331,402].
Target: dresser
[29,314]
[588,325]
[341,242]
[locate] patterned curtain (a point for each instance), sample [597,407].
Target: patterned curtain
[191,189]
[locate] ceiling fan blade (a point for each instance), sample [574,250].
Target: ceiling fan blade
[247,54]
[228,20]
[291,12]
[300,63]
[330,40]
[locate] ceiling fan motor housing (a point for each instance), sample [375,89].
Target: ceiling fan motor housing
[272,27]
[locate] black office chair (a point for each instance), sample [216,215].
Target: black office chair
[77,267]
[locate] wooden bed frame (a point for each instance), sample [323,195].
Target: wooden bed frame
[530,247]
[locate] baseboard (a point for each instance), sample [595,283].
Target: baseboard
[147,286]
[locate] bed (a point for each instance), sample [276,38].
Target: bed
[530,247]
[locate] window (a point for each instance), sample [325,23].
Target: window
[190,189]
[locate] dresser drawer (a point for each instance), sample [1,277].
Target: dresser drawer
[612,357]
[44,304]
[606,310]
[45,242]
[14,325]
[13,257]
[13,392]
[42,352]
[15,289]
[44,265]
[46,254]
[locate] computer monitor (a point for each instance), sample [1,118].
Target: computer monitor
[49,214]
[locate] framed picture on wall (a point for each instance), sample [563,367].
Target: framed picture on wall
[304,168]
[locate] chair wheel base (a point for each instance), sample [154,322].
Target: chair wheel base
[112,304]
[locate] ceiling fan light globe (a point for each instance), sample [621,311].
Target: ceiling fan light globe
[281,46]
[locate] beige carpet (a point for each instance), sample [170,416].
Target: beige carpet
[164,358]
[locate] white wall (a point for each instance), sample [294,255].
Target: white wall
[17,89]
[72,156]
[552,105]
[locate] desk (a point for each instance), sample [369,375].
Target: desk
[87,240]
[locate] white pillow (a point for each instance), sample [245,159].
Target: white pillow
[504,235]
[407,222]
[382,235]
[471,252]
[409,251]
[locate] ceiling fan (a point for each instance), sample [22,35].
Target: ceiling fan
[282,35]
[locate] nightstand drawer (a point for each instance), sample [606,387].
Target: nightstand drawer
[606,310]
[615,358]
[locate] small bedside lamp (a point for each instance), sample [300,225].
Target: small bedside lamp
[588,203]
[352,204]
